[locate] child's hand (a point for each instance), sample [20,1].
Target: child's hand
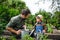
[44,31]
[24,26]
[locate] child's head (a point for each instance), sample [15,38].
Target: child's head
[39,18]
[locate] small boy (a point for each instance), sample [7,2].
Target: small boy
[39,27]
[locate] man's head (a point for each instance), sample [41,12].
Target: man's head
[25,13]
[39,18]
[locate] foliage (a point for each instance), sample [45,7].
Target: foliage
[2,38]
[56,19]
[8,9]
[27,37]
[49,27]
[10,38]
[42,37]
[31,20]
[46,16]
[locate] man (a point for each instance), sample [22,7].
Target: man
[16,24]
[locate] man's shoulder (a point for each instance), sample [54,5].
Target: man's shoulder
[15,17]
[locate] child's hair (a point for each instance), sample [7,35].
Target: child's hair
[39,17]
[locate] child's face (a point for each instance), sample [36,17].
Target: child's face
[38,20]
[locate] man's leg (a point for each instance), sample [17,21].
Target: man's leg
[18,36]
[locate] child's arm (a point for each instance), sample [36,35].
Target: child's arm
[45,28]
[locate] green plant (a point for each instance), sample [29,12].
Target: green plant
[2,38]
[27,37]
[49,27]
[42,36]
[11,38]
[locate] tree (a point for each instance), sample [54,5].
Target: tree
[10,8]
[56,19]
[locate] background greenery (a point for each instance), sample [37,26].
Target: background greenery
[10,8]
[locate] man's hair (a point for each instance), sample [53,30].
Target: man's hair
[25,12]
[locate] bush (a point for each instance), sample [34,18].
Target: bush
[49,28]
[27,37]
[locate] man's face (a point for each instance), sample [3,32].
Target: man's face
[27,16]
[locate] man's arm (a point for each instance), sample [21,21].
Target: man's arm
[11,25]
[13,31]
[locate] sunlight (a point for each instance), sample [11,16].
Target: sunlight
[36,5]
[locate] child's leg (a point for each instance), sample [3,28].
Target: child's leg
[37,36]
[40,36]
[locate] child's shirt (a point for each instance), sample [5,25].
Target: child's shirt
[39,27]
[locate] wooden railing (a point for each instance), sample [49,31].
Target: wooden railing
[54,36]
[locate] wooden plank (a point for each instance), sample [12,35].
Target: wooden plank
[53,36]
[50,35]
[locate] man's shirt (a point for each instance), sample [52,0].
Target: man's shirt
[16,22]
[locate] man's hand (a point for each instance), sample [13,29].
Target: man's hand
[18,32]
[14,31]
